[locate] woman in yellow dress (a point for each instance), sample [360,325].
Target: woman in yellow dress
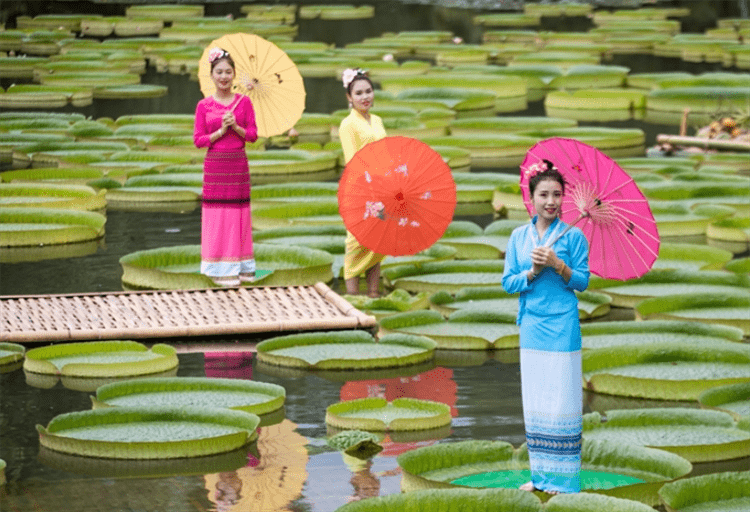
[358,129]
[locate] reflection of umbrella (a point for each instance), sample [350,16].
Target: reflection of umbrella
[278,94]
[397,196]
[616,217]
[268,485]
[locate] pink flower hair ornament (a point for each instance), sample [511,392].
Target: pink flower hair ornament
[350,74]
[216,53]
[544,165]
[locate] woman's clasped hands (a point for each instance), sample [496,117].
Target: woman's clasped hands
[542,257]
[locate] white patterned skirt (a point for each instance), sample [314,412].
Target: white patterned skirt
[552,413]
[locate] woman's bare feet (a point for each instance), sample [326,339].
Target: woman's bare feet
[529,486]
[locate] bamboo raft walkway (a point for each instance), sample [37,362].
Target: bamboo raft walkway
[175,313]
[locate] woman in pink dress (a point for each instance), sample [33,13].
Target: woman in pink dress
[224,122]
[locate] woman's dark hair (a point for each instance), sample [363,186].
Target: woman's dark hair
[358,76]
[224,56]
[550,173]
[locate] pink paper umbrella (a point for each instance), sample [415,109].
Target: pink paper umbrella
[604,201]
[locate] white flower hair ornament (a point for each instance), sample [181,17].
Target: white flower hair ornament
[216,53]
[350,74]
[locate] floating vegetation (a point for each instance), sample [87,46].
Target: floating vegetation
[439,466]
[51,195]
[11,357]
[695,434]
[149,432]
[249,396]
[590,304]
[444,275]
[671,282]
[721,308]
[169,268]
[377,414]
[471,329]
[709,493]
[689,257]
[21,227]
[96,359]
[397,301]
[733,399]
[350,350]
[664,370]
[689,334]
[356,443]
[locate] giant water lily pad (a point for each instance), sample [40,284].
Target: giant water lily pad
[671,282]
[611,334]
[149,432]
[464,329]
[734,399]
[378,414]
[100,359]
[249,396]
[178,267]
[665,371]
[445,275]
[492,500]
[395,302]
[51,195]
[348,350]
[11,356]
[439,466]
[718,492]
[707,307]
[695,434]
[690,257]
[590,304]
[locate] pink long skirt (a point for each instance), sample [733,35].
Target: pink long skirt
[226,223]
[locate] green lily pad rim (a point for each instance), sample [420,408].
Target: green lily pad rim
[343,414]
[53,438]
[37,359]
[276,394]
[705,489]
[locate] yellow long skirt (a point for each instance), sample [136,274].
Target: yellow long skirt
[358,258]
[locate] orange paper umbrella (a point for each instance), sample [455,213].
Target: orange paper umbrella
[278,94]
[397,196]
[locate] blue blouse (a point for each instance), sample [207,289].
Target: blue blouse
[547,294]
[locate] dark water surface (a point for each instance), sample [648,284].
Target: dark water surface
[292,469]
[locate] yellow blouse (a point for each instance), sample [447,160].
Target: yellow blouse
[355,132]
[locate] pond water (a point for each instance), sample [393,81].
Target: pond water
[292,469]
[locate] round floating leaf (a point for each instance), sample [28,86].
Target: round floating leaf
[695,434]
[438,466]
[690,257]
[42,226]
[445,275]
[734,399]
[455,500]
[356,443]
[611,334]
[149,433]
[178,267]
[100,359]
[122,92]
[380,415]
[665,371]
[709,308]
[708,493]
[671,282]
[345,350]
[11,356]
[249,396]
[469,329]
[51,195]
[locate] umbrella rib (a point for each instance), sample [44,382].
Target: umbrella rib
[624,222]
[618,212]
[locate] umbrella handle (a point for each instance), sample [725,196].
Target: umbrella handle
[558,237]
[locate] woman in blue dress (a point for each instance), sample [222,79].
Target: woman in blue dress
[550,334]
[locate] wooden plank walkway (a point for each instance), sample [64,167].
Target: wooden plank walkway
[175,313]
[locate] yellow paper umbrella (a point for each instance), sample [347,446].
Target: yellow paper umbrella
[278,93]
